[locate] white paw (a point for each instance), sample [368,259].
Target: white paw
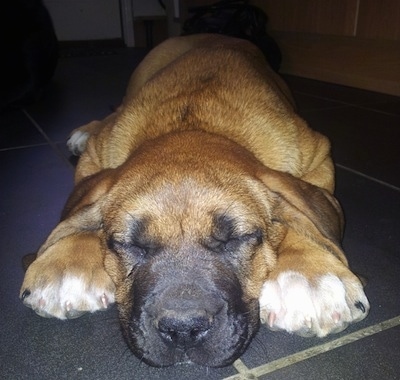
[293,304]
[77,142]
[54,291]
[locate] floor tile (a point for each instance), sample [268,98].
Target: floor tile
[305,102]
[35,184]
[343,94]
[84,89]
[362,139]
[389,107]
[17,130]
[373,358]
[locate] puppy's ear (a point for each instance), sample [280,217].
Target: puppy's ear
[88,191]
[311,211]
[82,211]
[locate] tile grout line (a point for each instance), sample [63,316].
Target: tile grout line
[23,147]
[287,361]
[339,103]
[241,368]
[383,183]
[342,104]
[51,143]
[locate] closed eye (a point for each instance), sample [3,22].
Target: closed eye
[127,249]
[233,243]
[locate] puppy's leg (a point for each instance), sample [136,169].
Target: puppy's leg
[68,279]
[311,292]
[78,138]
[322,176]
[77,141]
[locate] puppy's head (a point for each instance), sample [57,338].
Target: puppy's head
[186,235]
[190,227]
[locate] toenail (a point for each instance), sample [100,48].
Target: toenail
[104,301]
[26,293]
[359,305]
[68,306]
[271,319]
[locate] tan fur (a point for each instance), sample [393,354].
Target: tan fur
[255,112]
[190,138]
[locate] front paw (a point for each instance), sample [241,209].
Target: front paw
[67,285]
[292,303]
[77,142]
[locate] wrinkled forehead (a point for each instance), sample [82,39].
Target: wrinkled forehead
[187,207]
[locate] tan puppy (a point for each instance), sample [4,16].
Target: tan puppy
[201,204]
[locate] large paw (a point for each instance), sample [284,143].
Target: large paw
[327,306]
[67,285]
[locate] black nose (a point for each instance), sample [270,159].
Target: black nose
[183,330]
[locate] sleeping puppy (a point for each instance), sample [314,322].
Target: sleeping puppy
[202,206]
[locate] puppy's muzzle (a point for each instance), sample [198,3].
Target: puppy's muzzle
[189,316]
[184,315]
[184,329]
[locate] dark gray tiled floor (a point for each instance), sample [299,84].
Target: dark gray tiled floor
[364,128]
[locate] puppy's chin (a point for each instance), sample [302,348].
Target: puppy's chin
[196,315]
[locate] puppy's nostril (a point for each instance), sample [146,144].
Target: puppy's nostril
[183,332]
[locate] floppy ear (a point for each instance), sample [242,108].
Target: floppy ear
[82,211]
[88,191]
[311,211]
